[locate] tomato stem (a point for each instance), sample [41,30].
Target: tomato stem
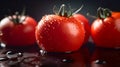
[62,11]
[17,18]
[78,9]
[103,13]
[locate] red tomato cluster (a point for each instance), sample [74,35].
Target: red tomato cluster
[61,32]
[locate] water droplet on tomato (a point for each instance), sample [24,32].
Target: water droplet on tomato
[48,25]
[67,60]
[53,28]
[100,62]
[41,37]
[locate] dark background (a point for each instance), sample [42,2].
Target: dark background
[38,8]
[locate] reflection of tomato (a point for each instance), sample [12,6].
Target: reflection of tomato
[74,59]
[56,33]
[17,30]
[106,29]
[107,58]
[86,24]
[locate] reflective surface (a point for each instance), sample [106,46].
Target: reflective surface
[87,56]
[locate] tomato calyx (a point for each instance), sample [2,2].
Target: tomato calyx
[66,13]
[103,13]
[17,18]
[63,12]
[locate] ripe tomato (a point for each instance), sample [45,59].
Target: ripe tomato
[106,29]
[59,33]
[17,30]
[86,24]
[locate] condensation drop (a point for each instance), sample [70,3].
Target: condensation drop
[43,52]
[100,62]
[67,60]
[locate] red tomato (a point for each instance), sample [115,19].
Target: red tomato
[106,29]
[17,30]
[59,34]
[86,24]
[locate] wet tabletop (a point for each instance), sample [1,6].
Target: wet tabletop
[87,56]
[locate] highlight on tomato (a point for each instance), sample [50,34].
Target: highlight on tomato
[18,30]
[105,30]
[60,32]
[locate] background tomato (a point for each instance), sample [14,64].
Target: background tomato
[17,30]
[106,29]
[86,24]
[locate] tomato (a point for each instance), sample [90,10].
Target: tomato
[59,33]
[105,30]
[86,24]
[18,30]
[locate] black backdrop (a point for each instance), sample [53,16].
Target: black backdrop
[38,8]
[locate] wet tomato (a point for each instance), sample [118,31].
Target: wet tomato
[60,33]
[106,29]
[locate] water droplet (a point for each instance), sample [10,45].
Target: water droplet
[1,33]
[53,28]
[67,60]
[11,54]
[43,52]
[58,22]
[2,45]
[20,54]
[48,25]
[3,59]
[41,37]
[100,62]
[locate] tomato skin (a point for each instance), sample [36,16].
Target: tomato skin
[19,34]
[106,32]
[86,24]
[59,34]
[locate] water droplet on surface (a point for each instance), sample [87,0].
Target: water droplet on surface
[43,52]
[100,62]
[67,60]
[11,54]
[41,37]
[20,54]
[3,58]
[2,45]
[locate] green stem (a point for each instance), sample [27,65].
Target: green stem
[63,12]
[103,13]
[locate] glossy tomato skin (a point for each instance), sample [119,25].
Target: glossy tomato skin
[106,32]
[59,34]
[18,34]
[86,24]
